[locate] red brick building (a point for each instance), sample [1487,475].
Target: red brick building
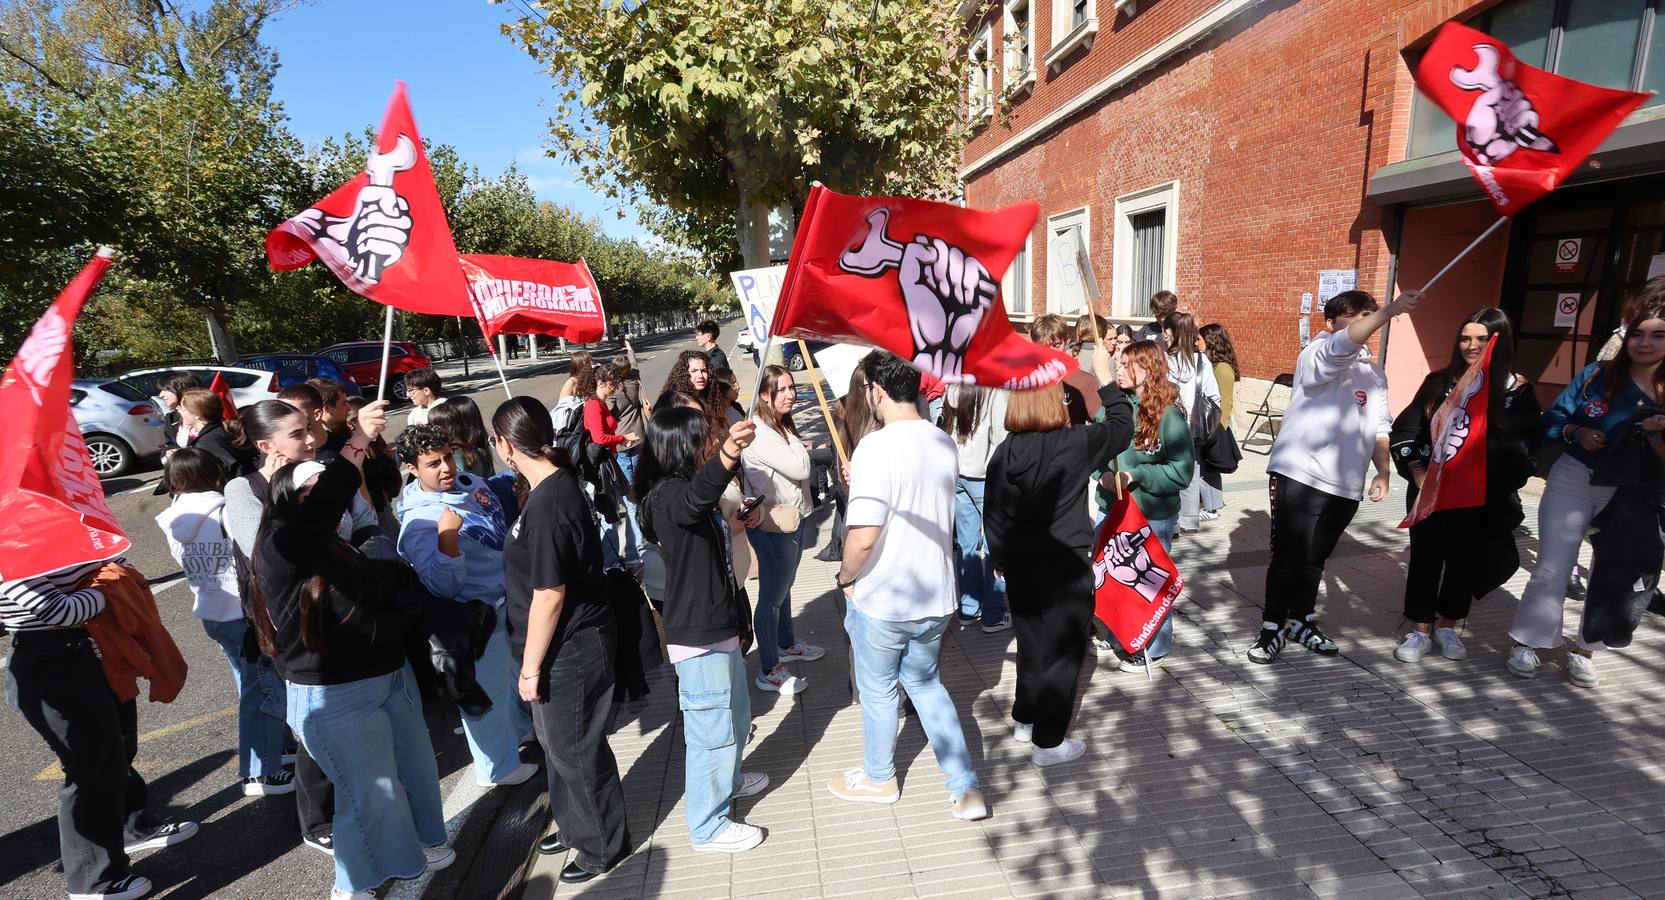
[1234,150]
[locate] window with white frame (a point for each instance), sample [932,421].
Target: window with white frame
[1066,289]
[1146,248]
[1019,44]
[1014,285]
[980,92]
[1074,25]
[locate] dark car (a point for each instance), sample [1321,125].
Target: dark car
[794,359]
[295,368]
[363,361]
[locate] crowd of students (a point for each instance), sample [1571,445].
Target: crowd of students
[509,559]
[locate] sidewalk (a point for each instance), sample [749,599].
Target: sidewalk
[1349,777]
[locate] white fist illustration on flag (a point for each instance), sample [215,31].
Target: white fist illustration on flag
[1502,119]
[1126,560]
[375,235]
[1453,432]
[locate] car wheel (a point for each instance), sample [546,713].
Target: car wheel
[111,456]
[796,364]
[399,391]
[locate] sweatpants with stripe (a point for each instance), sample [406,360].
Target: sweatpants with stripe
[1306,526]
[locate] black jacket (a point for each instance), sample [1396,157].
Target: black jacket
[703,603]
[1511,444]
[214,439]
[717,358]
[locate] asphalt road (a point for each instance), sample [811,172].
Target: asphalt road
[248,847]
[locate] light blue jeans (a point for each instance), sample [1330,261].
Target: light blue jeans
[888,652]
[369,737]
[979,593]
[1211,498]
[494,738]
[261,702]
[1190,501]
[716,720]
[778,556]
[1162,643]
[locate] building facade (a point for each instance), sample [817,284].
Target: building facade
[1256,155]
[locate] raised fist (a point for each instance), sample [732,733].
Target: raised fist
[1126,560]
[947,293]
[1453,432]
[378,231]
[1502,119]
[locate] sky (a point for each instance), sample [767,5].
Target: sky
[468,86]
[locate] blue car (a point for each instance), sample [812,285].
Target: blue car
[294,368]
[794,359]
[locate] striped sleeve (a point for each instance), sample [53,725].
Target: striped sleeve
[50,601]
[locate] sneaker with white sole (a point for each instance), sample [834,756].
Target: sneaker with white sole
[1268,644]
[1140,662]
[1005,624]
[1022,733]
[855,785]
[521,774]
[780,680]
[1582,670]
[751,784]
[339,894]
[1208,515]
[1101,647]
[969,806]
[1071,749]
[1523,662]
[1306,633]
[1450,643]
[1412,648]
[738,837]
[130,888]
[439,857]
[282,782]
[164,836]
[323,843]
[801,652]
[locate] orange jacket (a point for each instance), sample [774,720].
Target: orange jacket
[131,637]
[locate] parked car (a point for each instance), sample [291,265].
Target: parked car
[743,340]
[295,368]
[794,359]
[119,423]
[248,386]
[363,360]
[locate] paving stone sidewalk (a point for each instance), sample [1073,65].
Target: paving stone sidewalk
[1352,777]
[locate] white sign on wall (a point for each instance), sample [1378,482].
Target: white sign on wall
[1335,281]
[1566,310]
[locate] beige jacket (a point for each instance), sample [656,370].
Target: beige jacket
[777,466]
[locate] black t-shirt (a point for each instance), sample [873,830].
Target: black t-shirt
[555,543]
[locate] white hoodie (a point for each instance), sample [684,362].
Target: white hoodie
[1337,410]
[196,535]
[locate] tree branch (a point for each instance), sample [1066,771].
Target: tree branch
[46,76]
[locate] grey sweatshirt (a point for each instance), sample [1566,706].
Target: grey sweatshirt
[243,511]
[990,430]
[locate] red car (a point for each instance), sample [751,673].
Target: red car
[363,361]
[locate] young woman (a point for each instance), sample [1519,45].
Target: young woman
[580,363]
[777,469]
[727,394]
[1156,466]
[561,629]
[1215,343]
[1459,555]
[626,406]
[976,419]
[460,419]
[194,525]
[596,385]
[329,618]
[202,420]
[1193,374]
[707,625]
[170,389]
[1040,536]
[1589,415]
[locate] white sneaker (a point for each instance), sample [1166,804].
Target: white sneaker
[1101,648]
[439,857]
[280,782]
[129,888]
[738,837]
[751,784]
[1451,644]
[1582,670]
[1022,733]
[521,774]
[781,681]
[339,894]
[801,652]
[1523,662]
[969,806]
[1208,515]
[1071,749]
[1411,649]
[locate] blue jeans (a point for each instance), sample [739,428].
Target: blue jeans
[631,531]
[261,702]
[369,737]
[1162,643]
[888,652]
[716,720]
[778,556]
[494,738]
[979,594]
[1190,501]
[1211,498]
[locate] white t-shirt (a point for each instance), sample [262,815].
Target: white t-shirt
[419,414]
[902,480]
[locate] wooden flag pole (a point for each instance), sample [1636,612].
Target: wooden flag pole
[387,350]
[1472,244]
[821,398]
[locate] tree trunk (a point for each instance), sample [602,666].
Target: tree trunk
[223,347]
[752,223]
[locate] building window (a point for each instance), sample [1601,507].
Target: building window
[980,92]
[1019,46]
[1074,26]
[1066,290]
[1014,287]
[1146,248]
[1079,11]
[1598,42]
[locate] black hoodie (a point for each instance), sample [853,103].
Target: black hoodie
[703,603]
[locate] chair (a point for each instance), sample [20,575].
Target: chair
[1265,414]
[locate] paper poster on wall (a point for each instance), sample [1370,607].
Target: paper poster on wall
[1567,251]
[1566,310]
[1336,281]
[1305,329]
[1306,303]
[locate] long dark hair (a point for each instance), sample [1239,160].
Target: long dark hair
[193,470]
[526,425]
[1183,347]
[177,383]
[856,417]
[678,443]
[1440,383]
[1217,344]
[678,379]
[259,421]
[283,509]
[1618,371]
[962,409]
[460,419]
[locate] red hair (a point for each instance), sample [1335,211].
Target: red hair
[1155,395]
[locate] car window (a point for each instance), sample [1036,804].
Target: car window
[264,364]
[339,357]
[239,379]
[363,354]
[76,395]
[396,352]
[144,383]
[124,391]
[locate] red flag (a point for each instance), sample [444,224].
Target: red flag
[221,390]
[52,510]
[1135,584]
[1522,130]
[535,296]
[917,278]
[1456,476]
[384,233]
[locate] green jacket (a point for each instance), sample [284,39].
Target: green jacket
[1159,474]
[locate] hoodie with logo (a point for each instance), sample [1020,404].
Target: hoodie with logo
[1337,409]
[477,574]
[194,525]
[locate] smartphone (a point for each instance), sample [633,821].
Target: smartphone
[747,505]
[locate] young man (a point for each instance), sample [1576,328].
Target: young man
[422,387]
[334,413]
[1080,388]
[1162,305]
[451,531]
[706,335]
[898,575]
[1335,426]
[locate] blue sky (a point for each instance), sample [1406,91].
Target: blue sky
[469,86]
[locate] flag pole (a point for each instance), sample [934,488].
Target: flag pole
[1472,244]
[821,398]
[387,350]
[494,360]
[762,367]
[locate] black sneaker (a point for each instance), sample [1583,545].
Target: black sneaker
[1305,632]
[324,843]
[1267,645]
[163,836]
[130,888]
[283,782]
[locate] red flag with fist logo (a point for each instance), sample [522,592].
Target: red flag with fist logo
[535,296]
[1521,130]
[52,510]
[1135,584]
[916,278]
[384,233]
[1456,476]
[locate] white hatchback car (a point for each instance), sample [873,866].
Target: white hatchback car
[247,385]
[119,423]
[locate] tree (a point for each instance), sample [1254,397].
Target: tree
[723,111]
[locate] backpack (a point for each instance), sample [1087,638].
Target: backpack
[565,411]
[574,438]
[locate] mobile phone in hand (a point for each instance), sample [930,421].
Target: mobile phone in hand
[747,505]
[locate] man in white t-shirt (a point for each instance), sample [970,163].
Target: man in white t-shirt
[898,576]
[422,387]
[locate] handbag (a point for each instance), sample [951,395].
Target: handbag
[1221,454]
[781,518]
[1204,414]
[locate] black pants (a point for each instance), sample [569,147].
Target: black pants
[57,683]
[585,794]
[1050,616]
[314,796]
[1456,556]
[1306,525]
